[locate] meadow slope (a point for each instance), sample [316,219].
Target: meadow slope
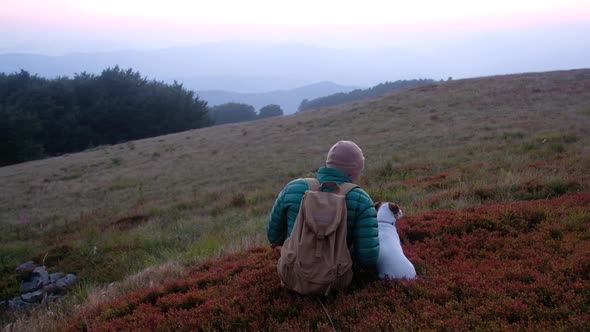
[110,213]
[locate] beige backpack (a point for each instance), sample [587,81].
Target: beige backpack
[315,259]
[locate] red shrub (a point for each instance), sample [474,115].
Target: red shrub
[516,266]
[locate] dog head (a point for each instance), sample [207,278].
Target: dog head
[387,211]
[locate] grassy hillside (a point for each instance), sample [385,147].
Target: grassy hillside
[109,213]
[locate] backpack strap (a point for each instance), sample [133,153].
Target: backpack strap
[313,184]
[344,188]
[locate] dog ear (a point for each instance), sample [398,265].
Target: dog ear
[394,208]
[377,205]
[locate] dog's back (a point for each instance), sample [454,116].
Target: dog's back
[392,262]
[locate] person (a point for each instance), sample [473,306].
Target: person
[344,163]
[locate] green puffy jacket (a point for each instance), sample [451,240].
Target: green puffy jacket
[362,229]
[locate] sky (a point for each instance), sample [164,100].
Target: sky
[257,45]
[62,26]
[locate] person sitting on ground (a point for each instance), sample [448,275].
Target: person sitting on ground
[344,164]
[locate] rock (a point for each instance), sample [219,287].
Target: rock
[33,297]
[71,277]
[52,289]
[30,265]
[49,288]
[38,286]
[17,303]
[56,276]
[42,274]
[36,279]
[24,270]
[66,281]
[31,285]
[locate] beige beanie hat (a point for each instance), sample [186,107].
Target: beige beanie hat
[347,157]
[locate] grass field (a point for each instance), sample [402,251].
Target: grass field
[136,214]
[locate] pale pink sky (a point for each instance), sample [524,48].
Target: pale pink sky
[69,24]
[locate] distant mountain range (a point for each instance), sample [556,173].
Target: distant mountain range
[240,66]
[289,100]
[254,68]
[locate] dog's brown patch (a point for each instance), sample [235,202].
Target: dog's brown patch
[393,207]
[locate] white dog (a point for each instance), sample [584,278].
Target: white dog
[392,262]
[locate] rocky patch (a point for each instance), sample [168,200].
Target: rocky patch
[37,286]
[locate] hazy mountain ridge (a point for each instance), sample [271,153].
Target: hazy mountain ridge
[289,100]
[239,67]
[249,67]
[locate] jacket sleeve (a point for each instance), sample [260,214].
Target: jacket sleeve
[365,231]
[284,211]
[276,228]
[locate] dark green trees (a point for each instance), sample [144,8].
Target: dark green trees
[232,112]
[269,111]
[238,112]
[41,117]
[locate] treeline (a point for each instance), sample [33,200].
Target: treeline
[238,112]
[358,94]
[43,117]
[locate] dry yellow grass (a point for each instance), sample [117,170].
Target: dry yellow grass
[459,119]
[191,195]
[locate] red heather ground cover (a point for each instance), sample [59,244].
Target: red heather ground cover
[516,266]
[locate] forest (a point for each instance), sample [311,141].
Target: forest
[42,117]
